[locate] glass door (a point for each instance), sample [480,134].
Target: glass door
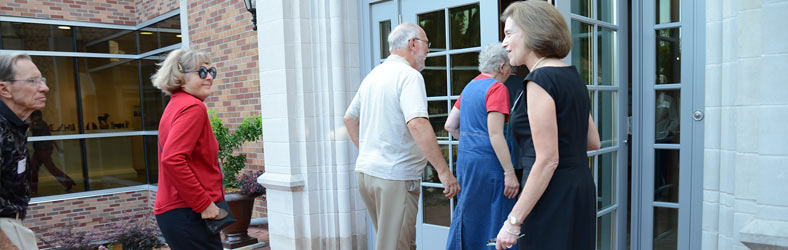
[457,31]
[666,121]
[599,52]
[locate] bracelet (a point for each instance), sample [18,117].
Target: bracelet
[512,233]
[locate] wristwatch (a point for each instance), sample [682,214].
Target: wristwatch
[513,220]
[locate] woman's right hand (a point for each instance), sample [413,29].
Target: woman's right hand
[211,212]
[510,184]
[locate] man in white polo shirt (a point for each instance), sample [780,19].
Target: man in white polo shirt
[387,120]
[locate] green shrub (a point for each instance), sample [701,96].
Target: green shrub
[250,129]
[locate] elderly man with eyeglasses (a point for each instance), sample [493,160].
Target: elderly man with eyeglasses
[22,91]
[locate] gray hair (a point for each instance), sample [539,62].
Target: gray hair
[398,39]
[492,56]
[169,78]
[7,62]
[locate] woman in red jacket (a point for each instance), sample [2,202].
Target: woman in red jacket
[190,180]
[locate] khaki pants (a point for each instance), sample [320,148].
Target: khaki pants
[392,206]
[16,236]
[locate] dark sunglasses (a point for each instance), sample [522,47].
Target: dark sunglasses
[203,72]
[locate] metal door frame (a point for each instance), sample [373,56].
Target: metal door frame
[692,33]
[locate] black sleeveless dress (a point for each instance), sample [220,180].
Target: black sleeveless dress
[565,216]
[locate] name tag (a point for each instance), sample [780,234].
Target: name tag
[21,165]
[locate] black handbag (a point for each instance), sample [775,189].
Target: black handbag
[224,219]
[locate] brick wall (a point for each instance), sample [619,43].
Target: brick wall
[97,214]
[100,11]
[148,9]
[226,33]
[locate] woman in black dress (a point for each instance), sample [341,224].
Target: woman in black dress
[552,129]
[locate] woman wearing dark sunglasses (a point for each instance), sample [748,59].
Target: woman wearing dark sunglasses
[190,181]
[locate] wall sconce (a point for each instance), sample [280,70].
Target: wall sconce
[250,6]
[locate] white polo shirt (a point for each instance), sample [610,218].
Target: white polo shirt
[389,96]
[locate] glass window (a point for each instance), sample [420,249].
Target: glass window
[605,10]
[668,56]
[385,30]
[606,180]
[56,166]
[464,27]
[665,228]
[110,95]
[667,127]
[161,34]
[98,40]
[32,36]
[434,25]
[606,231]
[667,11]
[152,157]
[434,74]
[153,100]
[464,67]
[438,112]
[581,7]
[61,110]
[581,49]
[607,63]
[436,207]
[115,162]
[430,175]
[606,119]
[666,175]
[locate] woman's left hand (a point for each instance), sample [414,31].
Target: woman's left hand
[507,236]
[510,184]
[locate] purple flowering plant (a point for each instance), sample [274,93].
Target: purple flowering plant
[247,182]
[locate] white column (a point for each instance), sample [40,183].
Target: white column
[745,206]
[309,61]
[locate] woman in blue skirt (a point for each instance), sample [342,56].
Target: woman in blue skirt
[484,166]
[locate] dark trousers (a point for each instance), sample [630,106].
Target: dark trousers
[44,156]
[183,229]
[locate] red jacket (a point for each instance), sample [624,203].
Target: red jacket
[189,174]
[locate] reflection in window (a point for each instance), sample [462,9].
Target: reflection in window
[61,110]
[581,7]
[434,25]
[161,34]
[385,30]
[438,112]
[606,231]
[606,57]
[99,40]
[464,27]
[581,49]
[668,56]
[434,74]
[606,180]
[32,36]
[665,228]
[668,11]
[667,127]
[464,67]
[436,207]
[430,175]
[606,118]
[115,162]
[666,175]
[110,95]
[56,166]
[153,100]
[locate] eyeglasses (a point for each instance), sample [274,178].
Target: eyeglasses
[203,72]
[34,81]
[427,42]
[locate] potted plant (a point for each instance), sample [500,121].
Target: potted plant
[241,189]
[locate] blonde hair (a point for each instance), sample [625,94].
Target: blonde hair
[544,29]
[169,78]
